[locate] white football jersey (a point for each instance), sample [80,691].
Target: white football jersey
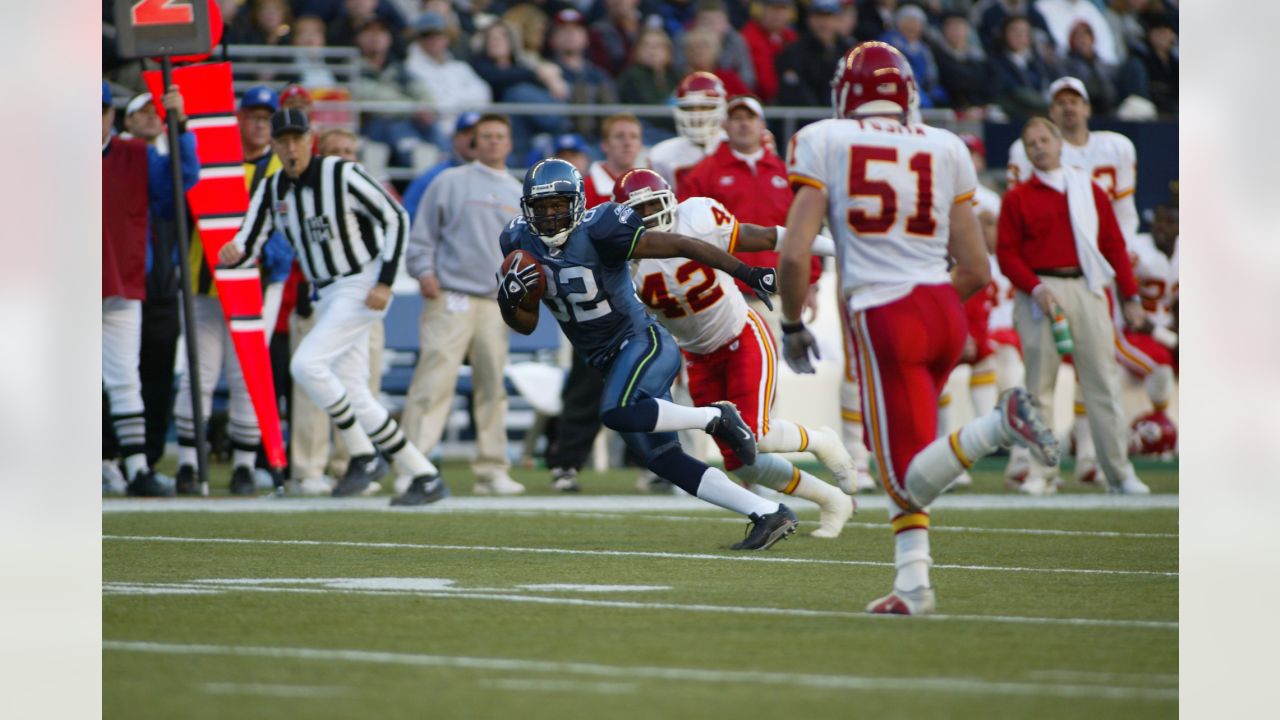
[674,157]
[1157,276]
[890,189]
[1108,157]
[700,306]
[986,200]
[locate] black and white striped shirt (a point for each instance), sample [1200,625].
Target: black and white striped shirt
[336,217]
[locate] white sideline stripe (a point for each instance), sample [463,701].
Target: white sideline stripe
[1077,676]
[284,691]
[178,588]
[612,503]
[969,686]
[620,553]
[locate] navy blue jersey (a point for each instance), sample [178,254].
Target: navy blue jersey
[592,295]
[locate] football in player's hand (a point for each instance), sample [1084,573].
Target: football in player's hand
[529,270]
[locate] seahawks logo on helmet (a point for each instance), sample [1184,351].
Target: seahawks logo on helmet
[553,201]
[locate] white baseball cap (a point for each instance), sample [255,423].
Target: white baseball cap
[747,101]
[137,104]
[1067,83]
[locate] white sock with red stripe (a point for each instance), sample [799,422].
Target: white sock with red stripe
[933,468]
[673,417]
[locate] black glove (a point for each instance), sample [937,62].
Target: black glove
[797,343]
[762,281]
[516,285]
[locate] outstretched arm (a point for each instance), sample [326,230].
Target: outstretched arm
[752,238]
[657,244]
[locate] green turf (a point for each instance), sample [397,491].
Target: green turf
[693,663]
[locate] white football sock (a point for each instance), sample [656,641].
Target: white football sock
[244,458]
[133,464]
[409,460]
[933,468]
[187,455]
[911,556]
[784,436]
[682,417]
[717,489]
[1159,385]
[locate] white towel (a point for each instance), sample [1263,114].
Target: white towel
[1078,186]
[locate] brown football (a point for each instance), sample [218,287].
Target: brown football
[519,259]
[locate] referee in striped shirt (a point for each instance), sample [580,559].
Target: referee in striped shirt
[349,235]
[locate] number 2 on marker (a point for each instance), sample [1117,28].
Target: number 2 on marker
[162,12]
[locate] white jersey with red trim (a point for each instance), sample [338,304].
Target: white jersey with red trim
[890,189]
[986,200]
[1108,157]
[1157,276]
[700,306]
[674,157]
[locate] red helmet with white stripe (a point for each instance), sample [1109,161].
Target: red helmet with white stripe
[1153,434]
[642,185]
[700,107]
[874,79]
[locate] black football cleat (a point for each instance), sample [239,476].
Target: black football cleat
[361,471]
[186,482]
[765,530]
[149,483]
[734,431]
[424,490]
[242,481]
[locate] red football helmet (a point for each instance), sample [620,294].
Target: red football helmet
[1153,434]
[641,185]
[704,91]
[292,91]
[874,79]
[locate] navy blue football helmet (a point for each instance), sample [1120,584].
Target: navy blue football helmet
[545,183]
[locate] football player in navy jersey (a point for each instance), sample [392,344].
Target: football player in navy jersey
[589,291]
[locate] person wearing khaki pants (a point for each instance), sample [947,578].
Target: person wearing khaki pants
[1060,245]
[454,254]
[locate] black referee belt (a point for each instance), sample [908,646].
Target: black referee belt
[1069,273]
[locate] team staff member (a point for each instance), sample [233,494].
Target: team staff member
[621,140]
[136,185]
[211,334]
[453,257]
[349,236]
[1060,245]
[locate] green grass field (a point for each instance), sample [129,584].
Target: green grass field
[616,605]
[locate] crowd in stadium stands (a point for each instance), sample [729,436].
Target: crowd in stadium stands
[982,58]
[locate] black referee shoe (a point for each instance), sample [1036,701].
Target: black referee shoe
[361,471]
[734,431]
[765,530]
[187,482]
[242,481]
[149,483]
[424,490]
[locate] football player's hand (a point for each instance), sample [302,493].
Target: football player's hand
[797,344]
[516,285]
[762,281]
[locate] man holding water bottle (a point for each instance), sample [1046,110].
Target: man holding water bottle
[1060,246]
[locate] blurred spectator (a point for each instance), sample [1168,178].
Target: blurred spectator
[531,27]
[464,151]
[907,35]
[1062,15]
[335,13]
[621,143]
[588,84]
[701,49]
[875,18]
[962,66]
[1124,17]
[651,77]
[381,76]
[460,28]
[572,148]
[766,33]
[355,15]
[734,55]
[261,22]
[806,65]
[1021,77]
[989,17]
[453,255]
[516,77]
[614,36]
[451,85]
[1082,61]
[308,32]
[1160,60]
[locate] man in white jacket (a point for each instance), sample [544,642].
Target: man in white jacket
[451,84]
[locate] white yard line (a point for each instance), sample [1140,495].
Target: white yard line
[753,557]
[612,503]
[180,588]
[955,685]
[569,686]
[280,691]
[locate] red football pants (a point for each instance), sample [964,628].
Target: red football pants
[906,350]
[743,372]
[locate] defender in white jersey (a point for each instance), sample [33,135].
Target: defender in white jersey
[699,111]
[1112,162]
[898,197]
[728,350]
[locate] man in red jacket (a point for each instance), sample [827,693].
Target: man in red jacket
[766,33]
[1060,248]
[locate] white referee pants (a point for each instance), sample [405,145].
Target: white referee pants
[121,351]
[332,361]
[217,354]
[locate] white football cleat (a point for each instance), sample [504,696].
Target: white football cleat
[498,485]
[865,482]
[1021,424]
[920,601]
[1035,484]
[1131,485]
[833,512]
[826,446]
[113,482]
[322,485]
[1019,467]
